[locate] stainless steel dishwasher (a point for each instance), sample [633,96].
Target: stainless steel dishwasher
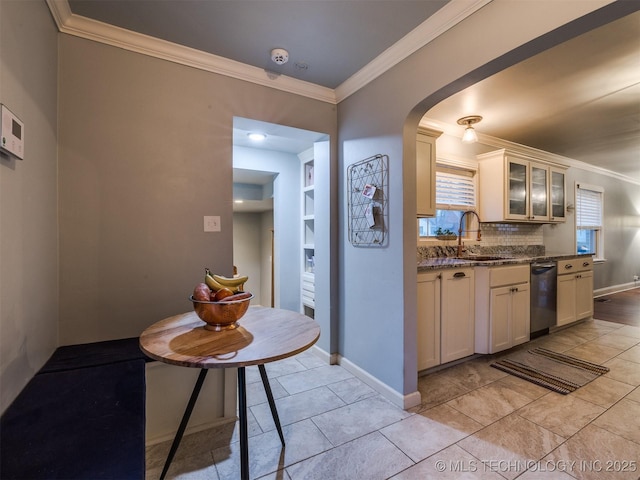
[543,297]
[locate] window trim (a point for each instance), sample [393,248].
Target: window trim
[599,229]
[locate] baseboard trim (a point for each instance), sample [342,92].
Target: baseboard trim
[330,358]
[615,289]
[403,401]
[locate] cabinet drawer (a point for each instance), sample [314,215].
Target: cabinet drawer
[575,265]
[509,275]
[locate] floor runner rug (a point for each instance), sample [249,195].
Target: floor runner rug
[555,371]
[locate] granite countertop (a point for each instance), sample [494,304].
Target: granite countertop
[453,262]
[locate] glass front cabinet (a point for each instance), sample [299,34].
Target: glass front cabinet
[532,190]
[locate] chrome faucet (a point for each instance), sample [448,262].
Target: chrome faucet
[460,230]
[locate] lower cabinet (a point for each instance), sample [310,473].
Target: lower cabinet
[445,323]
[428,320]
[457,318]
[502,307]
[575,290]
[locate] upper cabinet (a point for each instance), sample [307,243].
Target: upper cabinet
[426,172]
[532,190]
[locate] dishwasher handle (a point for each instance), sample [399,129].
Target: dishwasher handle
[538,268]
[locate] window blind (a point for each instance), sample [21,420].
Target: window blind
[588,208]
[455,189]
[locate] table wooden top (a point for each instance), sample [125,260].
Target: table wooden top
[264,335]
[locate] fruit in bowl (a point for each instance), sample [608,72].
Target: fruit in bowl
[220,306]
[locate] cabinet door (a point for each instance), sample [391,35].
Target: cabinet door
[517,190]
[566,300]
[457,318]
[500,308]
[584,294]
[538,193]
[558,202]
[428,321]
[426,175]
[520,314]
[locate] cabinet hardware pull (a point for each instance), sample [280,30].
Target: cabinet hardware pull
[459,274]
[568,266]
[585,264]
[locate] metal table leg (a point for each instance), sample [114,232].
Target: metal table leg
[185,420]
[272,404]
[242,417]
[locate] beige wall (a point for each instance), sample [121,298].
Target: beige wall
[247,253]
[145,152]
[28,202]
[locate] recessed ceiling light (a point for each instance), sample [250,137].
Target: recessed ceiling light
[256,137]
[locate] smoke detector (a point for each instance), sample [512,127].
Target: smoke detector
[279,56]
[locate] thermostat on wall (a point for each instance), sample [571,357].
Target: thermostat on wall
[11,133]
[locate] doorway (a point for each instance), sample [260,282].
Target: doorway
[269,227]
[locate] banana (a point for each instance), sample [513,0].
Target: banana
[236,282]
[211,282]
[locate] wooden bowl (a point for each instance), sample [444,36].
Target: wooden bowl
[221,315]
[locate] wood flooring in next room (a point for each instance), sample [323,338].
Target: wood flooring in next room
[622,307]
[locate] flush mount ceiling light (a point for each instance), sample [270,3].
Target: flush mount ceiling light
[469,135]
[256,136]
[279,56]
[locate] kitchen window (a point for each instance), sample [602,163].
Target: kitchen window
[589,207]
[455,194]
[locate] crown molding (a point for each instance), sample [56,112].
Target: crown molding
[524,150]
[452,13]
[447,17]
[89,29]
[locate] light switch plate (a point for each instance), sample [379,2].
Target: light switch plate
[212,224]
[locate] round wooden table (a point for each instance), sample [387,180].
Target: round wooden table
[264,335]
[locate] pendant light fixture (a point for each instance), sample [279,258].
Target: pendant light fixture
[469,135]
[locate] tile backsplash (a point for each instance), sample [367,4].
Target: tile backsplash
[497,238]
[507,234]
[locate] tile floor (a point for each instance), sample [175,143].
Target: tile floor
[475,422]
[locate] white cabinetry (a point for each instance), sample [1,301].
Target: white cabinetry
[533,191]
[575,290]
[428,320]
[426,172]
[308,234]
[445,323]
[502,307]
[457,314]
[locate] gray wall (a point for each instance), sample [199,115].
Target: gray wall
[28,196]
[286,206]
[621,228]
[145,152]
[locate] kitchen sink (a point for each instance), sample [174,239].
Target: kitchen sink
[484,258]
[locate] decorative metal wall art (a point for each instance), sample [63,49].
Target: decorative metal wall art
[367,195]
